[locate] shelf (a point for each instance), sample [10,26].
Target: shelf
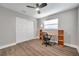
[61,38]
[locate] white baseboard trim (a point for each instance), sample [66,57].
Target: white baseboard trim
[8,45]
[74,46]
[78,49]
[26,40]
[70,45]
[12,44]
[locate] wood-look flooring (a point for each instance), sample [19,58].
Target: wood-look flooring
[35,48]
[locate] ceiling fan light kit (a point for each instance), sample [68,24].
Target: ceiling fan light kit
[38,7]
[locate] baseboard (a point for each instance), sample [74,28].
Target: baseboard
[8,45]
[78,49]
[70,45]
[74,46]
[26,40]
[12,44]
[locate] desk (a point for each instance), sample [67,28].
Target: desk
[54,37]
[59,34]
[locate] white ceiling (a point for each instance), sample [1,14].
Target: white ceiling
[51,8]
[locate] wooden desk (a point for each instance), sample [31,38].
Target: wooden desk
[60,37]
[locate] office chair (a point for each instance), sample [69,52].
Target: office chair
[47,39]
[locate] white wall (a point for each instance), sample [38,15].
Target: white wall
[24,30]
[78,30]
[8,25]
[67,21]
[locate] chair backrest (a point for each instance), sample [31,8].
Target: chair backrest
[46,36]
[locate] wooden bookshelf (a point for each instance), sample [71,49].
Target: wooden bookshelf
[41,35]
[61,38]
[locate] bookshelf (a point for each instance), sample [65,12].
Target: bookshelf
[61,38]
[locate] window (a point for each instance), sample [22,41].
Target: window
[51,24]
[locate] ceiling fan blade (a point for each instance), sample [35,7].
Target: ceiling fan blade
[43,5]
[30,6]
[37,4]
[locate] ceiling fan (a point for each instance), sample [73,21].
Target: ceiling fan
[38,7]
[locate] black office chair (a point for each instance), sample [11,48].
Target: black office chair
[47,39]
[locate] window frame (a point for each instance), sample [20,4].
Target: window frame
[55,24]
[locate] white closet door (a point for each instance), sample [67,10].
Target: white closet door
[24,30]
